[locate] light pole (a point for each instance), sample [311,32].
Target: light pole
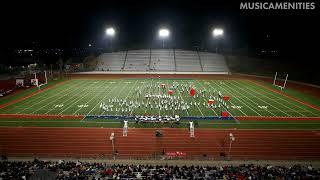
[217,34]
[163,33]
[231,138]
[113,149]
[110,32]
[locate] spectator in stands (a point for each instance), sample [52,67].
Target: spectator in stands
[85,170]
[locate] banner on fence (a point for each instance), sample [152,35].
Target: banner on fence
[20,82]
[176,154]
[34,82]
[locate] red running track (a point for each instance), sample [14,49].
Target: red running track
[94,142]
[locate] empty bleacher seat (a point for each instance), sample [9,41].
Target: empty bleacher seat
[162,60]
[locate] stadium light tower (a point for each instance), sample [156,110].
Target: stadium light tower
[164,33]
[217,34]
[110,32]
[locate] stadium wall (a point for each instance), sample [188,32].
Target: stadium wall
[7,84]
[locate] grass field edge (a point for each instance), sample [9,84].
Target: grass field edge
[279,118]
[31,94]
[286,95]
[44,116]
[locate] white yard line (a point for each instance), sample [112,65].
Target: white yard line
[159,98]
[207,101]
[239,99]
[264,100]
[51,102]
[102,99]
[181,97]
[283,98]
[249,98]
[43,95]
[231,101]
[129,93]
[66,98]
[197,106]
[286,111]
[126,95]
[118,95]
[179,92]
[49,97]
[97,94]
[82,96]
[237,121]
[268,98]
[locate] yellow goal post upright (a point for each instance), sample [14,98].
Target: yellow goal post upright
[280,82]
[37,76]
[45,78]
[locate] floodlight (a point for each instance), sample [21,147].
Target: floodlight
[110,32]
[217,32]
[163,33]
[89,45]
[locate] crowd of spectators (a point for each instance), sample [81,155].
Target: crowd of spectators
[86,170]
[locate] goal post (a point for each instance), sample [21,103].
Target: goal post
[45,77]
[280,82]
[45,80]
[275,77]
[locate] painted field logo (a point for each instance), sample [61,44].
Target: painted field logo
[263,107]
[277,5]
[236,107]
[59,105]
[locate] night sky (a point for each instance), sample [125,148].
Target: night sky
[69,24]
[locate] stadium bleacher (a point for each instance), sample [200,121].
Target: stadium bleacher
[87,170]
[213,62]
[137,60]
[162,60]
[187,61]
[111,61]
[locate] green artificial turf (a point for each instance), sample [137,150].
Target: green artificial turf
[84,97]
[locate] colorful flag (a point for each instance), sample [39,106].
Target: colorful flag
[226,98]
[192,92]
[224,114]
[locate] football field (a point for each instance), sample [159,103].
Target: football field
[131,97]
